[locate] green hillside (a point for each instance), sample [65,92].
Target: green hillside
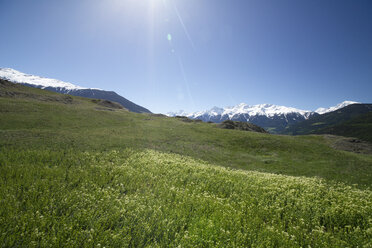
[352,121]
[77,172]
[359,127]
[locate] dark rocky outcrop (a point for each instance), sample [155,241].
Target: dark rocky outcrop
[238,125]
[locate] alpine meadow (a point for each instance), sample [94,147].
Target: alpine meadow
[77,173]
[186,124]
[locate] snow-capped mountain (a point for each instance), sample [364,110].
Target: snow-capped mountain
[273,118]
[67,88]
[334,108]
[41,82]
[268,110]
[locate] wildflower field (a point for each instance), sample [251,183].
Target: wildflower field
[148,198]
[72,175]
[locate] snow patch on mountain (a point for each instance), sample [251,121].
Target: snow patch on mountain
[334,108]
[22,78]
[268,110]
[178,113]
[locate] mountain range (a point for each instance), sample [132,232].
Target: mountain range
[68,88]
[273,118]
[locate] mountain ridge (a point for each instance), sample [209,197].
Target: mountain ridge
[334,108]
[59,86]
[354,120]
[259,109]
[274,118]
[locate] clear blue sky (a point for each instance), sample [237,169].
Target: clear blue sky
[168,55]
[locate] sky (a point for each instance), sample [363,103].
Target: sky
[168,55]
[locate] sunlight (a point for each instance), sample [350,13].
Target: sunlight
[133,7]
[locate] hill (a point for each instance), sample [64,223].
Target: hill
[76,173]
[359,127]
[238,125]
[32,117]
[68,88]
[352,120]
[106,95]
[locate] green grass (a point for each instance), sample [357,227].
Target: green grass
[34,124]
[76,174]
[318,123]
[147,198]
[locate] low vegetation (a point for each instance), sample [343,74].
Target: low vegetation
[107,104]
[73,175]
[147,198]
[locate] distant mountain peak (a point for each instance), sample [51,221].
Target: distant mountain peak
[243,108]
[274,118]
[265,109]
[23,78]
[334,108]
[68,88]
[269,116]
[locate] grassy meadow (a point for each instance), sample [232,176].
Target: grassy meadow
[77,174]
